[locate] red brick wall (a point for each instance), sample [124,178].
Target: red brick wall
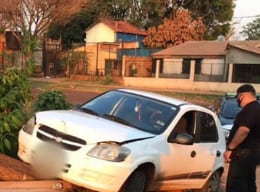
[143,66]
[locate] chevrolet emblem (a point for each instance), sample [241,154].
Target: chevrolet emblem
[58,139]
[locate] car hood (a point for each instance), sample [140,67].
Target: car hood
[91,128]
[226,121]
[227,127]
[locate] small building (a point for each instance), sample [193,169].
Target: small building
[204,66]
[106,43]
[209,58]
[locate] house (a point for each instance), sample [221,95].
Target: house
[244,61]
[204,66]
[209,58]
[10,50]
[106,43]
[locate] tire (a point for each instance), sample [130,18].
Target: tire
[136,182]
[213,184]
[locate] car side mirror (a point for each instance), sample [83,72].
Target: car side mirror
[182,138]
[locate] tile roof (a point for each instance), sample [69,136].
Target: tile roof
[250,46]
[195,48]
[123,27]
[208,48]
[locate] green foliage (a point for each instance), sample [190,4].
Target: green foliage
[75,58]
[51,100]
[29,44]
[108,79]
[74,31]
[15,97]
[252,30]
[2,30]
[132,70]
[216,15]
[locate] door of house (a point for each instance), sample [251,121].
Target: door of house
[108,67]
[112,67]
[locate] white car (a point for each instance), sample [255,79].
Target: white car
[128,141]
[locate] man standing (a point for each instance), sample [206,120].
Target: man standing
[243,146]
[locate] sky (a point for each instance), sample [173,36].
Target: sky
[245,12]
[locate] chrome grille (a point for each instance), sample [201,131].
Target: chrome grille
[68,142]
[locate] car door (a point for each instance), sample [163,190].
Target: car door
[190,164]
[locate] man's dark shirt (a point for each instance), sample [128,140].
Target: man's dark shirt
[249,117]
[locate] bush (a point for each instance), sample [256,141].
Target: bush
[108,80]
[51,100]
[15,100]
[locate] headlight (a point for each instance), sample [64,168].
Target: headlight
[29,126]
[109,152]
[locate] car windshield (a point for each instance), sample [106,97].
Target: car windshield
[230,109]
[137,111]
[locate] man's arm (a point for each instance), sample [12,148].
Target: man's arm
[238,138]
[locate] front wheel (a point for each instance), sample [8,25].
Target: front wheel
[136,182]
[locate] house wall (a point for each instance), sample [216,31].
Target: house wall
[172,66]
[182,85]
[97,54]
[208,66]
[100,33]
[176,84]
[125,37]
[242,57]
[141,64]
[212,66]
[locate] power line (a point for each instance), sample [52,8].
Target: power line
[242,17]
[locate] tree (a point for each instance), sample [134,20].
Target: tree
[252,30]
[175,31]
[74,30]
[216,15]
[31,18]
[35,16]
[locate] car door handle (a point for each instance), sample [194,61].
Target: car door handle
[193,154]
[218,153]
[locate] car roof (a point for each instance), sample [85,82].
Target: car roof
[156,96]
[231,95]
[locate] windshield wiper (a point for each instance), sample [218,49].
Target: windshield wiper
[90,111]
[117,119]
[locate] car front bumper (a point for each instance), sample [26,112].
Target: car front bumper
[79,168]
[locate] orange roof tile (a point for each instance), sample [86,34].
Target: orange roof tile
[123,27]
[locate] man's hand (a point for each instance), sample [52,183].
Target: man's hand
[227,156]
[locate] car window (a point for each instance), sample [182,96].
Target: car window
[206,129]
[103,104]
[186,123]
[230,108]
[140,112]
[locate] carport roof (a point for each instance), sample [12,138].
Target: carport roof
[250,46]
[208,48]
[195,48]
